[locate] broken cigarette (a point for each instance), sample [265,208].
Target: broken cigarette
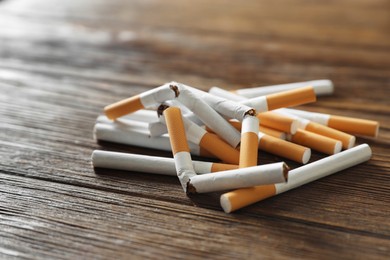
[316,142]
[239,178]
[209,116]
[150,164]
[321,87]
[278,122]
[284,148]
[143,100]
[350,125]
[347,140]
[225,107]
[249,140]
[210,142]
[235,200]
[123,133]
[179,144]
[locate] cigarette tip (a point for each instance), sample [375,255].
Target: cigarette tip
[175,88]
[161,108]
[306,156]
[190,188]
[337,148]
[225,203]
[351,142]
[286,169]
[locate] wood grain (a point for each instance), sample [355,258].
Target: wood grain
[61,62]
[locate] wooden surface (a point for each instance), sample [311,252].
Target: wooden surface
[61,62]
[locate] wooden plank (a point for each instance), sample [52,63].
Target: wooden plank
[62,62]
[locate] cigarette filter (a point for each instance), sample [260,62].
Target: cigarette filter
[209,142]
[150,164]
[321,87]
[126,134]
[180,148]
[347,140]
[265,130]
[235,200]
[143,100]
[284,149]
[209,116]
[316,142]
[240,178]
[278,122]
[249,141]
[288,98]
[349,125]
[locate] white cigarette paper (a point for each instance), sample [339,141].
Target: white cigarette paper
[127,134]
[219,92]
[225,107]
[240,178]
[325,167]
[209,116]
[142,163]
[321,87]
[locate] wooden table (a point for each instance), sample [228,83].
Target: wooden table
[61,62]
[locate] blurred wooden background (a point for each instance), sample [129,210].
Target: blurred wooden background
[61,62]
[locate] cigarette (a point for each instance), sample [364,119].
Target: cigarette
[294,152]
[209,116]
[263,129]
[278,122]
[239,178]
[179,144]
[235,200]
[225,107]
[249,141]
[272,132]
[350,125]
[219,92]
[143,100]
[316,142]
[321,87]
[125,121]
[122,133]
[288,98]
[347,140]
[150,164]
[142,115]
[209,142]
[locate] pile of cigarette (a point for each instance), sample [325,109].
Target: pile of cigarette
[232,126]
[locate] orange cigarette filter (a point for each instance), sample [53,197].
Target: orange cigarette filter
[284,149]
[176,130]
[354,126]
[249,141]
[278,122]
[237,199]
[317,142]
[218,167]
[347,140]
[216,146]
[291,98]
[272,132]
[123,107]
